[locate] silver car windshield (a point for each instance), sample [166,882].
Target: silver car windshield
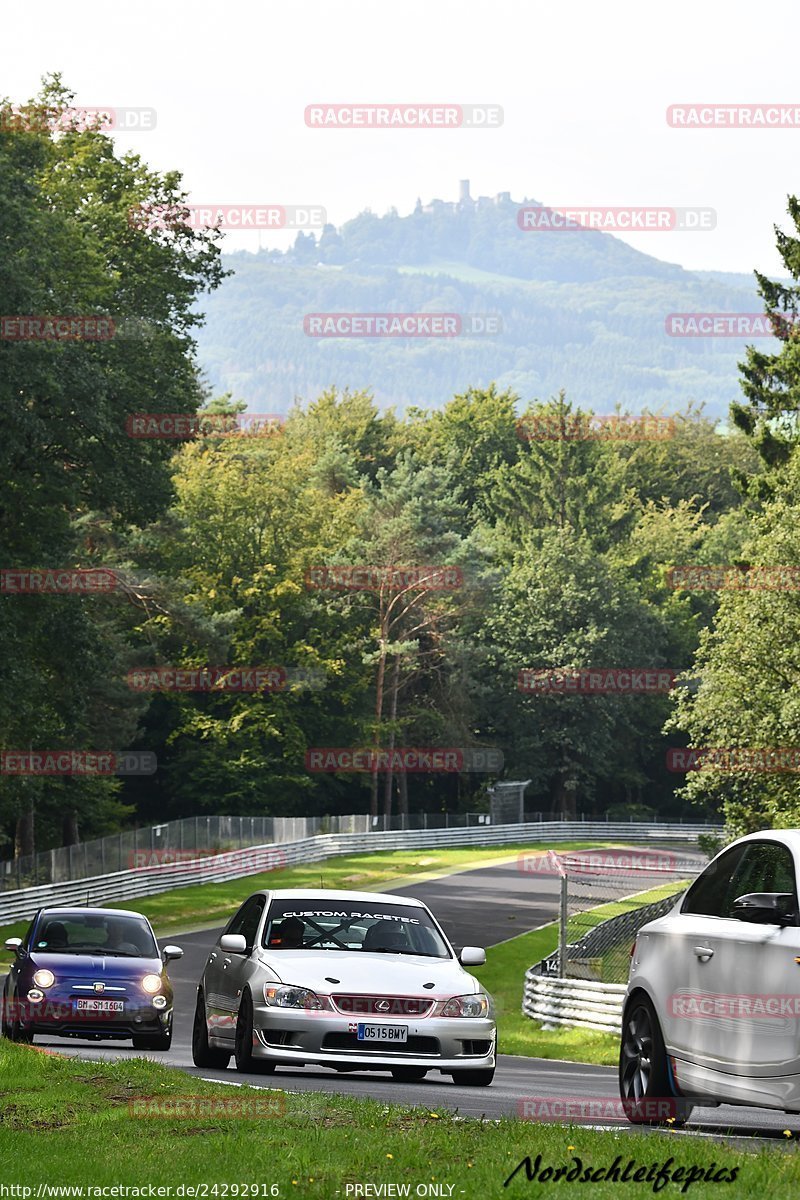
[76,932]
[377,928]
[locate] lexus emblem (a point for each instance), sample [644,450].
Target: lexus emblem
[99,987]
[382,1006]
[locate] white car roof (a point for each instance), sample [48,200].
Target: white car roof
[330,894]
[789,837]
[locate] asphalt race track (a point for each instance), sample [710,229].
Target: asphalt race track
[481,907]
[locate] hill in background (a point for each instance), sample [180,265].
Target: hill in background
[579,309]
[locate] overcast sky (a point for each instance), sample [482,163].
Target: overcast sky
[584,88]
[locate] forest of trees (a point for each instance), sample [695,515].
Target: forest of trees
[562,546]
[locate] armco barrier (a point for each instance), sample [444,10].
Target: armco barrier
[580,1003]
[131,885]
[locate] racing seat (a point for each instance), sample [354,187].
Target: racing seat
[383,936]
[288,935]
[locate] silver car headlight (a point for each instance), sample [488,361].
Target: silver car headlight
[288,996]
[467,1006]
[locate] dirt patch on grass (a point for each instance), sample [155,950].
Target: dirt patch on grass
[14,1117]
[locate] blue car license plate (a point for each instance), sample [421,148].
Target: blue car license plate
[103,1006]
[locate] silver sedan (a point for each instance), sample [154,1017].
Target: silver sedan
[356,981]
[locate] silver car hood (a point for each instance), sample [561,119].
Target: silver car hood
[360,972]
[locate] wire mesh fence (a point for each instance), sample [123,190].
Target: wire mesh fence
[605,896]
[175,841]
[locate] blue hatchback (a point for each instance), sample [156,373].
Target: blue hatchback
[89,973]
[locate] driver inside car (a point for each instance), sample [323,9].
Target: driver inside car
[288,935]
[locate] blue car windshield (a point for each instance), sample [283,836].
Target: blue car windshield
[76,932]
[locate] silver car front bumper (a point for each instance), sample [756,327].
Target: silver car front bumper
[437,1043]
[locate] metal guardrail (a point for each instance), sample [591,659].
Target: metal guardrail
[575,1003]
[148,881]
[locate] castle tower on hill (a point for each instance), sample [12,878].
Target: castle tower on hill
[465,200]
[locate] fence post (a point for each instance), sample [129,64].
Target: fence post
[562,930]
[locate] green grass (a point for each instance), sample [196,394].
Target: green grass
[66,1122]
[504,974]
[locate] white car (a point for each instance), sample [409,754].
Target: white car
[711,1014]
[357,981]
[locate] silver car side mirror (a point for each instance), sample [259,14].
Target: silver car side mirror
[234,942]
[171,952]
[472,956]
[13,943]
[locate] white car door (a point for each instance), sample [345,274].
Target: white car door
[756,1027]
[693,951]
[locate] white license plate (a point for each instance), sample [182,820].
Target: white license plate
[382,1033]
[91,1005]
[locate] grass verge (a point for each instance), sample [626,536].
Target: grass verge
[67,1123]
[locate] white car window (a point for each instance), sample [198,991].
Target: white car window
[750,867]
